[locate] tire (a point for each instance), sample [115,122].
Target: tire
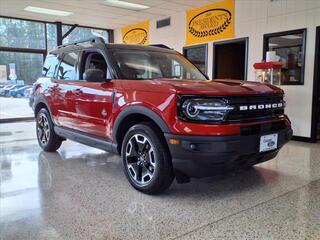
[48,140]
[146,159]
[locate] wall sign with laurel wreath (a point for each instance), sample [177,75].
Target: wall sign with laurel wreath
[135,36]
[210,22]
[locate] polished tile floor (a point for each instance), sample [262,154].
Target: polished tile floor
[81,193]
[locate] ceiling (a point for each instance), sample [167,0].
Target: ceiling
[95,13]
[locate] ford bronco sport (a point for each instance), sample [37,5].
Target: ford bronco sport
[157,110]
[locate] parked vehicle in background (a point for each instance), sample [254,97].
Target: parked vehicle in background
[18,91]
[11,83]
[6,84]
[5,91]
[158,111]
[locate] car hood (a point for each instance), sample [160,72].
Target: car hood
[207,87]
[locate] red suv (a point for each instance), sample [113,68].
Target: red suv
[157,110]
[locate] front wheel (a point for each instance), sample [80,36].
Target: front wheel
[48,140]
[146,160]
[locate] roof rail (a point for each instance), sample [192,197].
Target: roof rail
[160,46]
[95,39]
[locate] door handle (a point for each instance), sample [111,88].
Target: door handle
[77,91]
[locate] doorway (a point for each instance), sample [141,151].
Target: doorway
[315,122]
[230,59]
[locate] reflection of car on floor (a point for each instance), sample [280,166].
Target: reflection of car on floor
[19,91]
[157,110]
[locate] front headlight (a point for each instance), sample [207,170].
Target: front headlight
[204,109]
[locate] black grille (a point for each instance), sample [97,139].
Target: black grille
[262,128]
[237,115]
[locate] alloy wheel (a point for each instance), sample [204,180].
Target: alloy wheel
[43,128]
[140,159]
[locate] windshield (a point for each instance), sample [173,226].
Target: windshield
[143,65]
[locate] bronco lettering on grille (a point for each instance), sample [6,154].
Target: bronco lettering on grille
[260,106]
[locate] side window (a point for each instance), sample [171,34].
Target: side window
[94,60]
[68,67]
[50,65]
[139,65]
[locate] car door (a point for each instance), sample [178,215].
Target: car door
[66,89]
[94,100]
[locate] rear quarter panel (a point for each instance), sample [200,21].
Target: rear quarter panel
[45,90]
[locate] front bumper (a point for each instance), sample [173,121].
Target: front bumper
[203,156]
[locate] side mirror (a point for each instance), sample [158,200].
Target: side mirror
[94,75]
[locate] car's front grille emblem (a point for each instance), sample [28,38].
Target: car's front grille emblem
[262,106]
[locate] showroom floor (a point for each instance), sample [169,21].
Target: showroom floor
[81,193]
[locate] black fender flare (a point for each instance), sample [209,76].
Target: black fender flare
[41,100]
[138,110]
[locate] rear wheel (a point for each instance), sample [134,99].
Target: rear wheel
[48,140]
[146,160]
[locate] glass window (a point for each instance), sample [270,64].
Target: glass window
[68,69]
[135,64]
[50,65]
[288,48]
[24,68]
[51,36]
[22,34]
[80,33]
[197,55]
[93,60]
[20,70]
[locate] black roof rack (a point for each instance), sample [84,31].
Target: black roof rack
[160,46]
[95,39]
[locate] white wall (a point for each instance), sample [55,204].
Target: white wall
[253,19]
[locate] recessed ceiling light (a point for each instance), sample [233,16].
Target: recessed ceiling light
[48,11]
[124,4]
[273,44]
[291,37]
